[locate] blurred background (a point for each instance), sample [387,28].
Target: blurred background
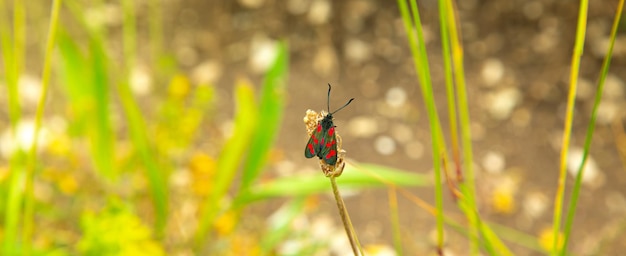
[176,127]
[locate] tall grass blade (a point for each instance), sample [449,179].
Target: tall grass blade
[11,63]
[13,214]
[451,95]
[230,158]
[157,177]
[29,207]
[271,108]
[392,196]
[19,36]
[515,236]
[418,50]
[11,194]
[468,186]
[600,89]
[102,137]
[86,83]
[94,92]
[569,114]
[492,242]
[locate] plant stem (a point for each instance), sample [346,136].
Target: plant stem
[29,207]
[590,128]
[345,218]
[569,116]
[395,219]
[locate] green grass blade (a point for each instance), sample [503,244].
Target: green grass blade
[451,98]
[86,83]
[508,234]
[230,158]
[468,186]
[156,175]
[569,114]
[19,35]
[362,177]
[12,217]
[74,71]
[420,58]
[395,219]
[514,236]
[10,61]
[11,194]
[492,242]
[271,108]
[92,93]
[101,132]
[10,76]
[577,185]
[29,206]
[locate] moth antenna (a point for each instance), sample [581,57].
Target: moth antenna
[328,98]
[342,107]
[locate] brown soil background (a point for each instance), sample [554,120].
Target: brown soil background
[533,42]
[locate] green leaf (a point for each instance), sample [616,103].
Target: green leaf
[84,79]
[271,112]
[100,127]
[361,177]
[232,154]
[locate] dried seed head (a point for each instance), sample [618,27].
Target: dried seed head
[311,118]
[333,170]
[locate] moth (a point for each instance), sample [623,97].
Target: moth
[323,141]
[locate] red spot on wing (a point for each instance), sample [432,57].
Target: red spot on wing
[310,147]
[315,141]
[331,131]
[331,143]
[331,153]
[319,127]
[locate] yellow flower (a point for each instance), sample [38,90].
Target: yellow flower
[68,184]
[202,169]
[60,145]
[179,87]
[225,224]
[503,197]
[546,239]
[503,201]
[244,245]
[379,249]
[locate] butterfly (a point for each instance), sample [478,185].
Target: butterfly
[323,142]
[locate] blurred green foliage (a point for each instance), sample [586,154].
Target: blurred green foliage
[116,230]
[86,86]
[118,150]
[170,182]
